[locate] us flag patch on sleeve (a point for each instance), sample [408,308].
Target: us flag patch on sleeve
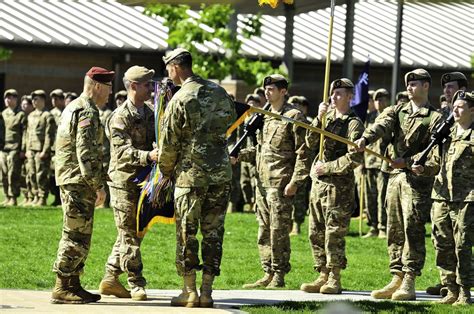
[84,123]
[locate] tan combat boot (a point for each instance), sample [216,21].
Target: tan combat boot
[315,286]
[452,296]
[189,296]
[5,201]
[406,292]
[372,233]
[261,283]
[333,285]
[382,234]
[464,297]
[278,281]
[205,299]
[68,290]
[12,202]
[387,291]
[296,229]
[138,294]
[110,285]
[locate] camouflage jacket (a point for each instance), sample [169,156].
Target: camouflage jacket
[410,132]
[56,113]
[15,126]
[338,160]
[379,146]
[281,154]
[104,116]
[131,139]
[454,182]
[79,145]
[40,132]
[193,144]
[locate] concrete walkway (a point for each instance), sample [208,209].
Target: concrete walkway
[226,301]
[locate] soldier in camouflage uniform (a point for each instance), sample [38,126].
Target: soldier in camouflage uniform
[27,108]
[451,83]
[13,150]
[407,194]
[80,177]
[58,103]
[40,135]
[332,192]
[376,180]
[282,164]
[193,150]
[453,208]
[132,133]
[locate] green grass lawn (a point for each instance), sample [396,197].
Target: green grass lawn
[29,238]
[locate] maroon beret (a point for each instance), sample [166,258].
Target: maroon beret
[100,74]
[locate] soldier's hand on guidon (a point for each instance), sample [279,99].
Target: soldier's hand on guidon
[319,168]
[360,145]
[233,160]
[153,155]
[417,169]
[322,109]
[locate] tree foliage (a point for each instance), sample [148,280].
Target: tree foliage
[210,26]
[5,54]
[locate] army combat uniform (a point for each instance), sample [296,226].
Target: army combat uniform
[39,139]
[15,126]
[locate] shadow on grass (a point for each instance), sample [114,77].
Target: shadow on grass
[347,307]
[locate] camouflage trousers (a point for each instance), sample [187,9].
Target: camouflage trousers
[247,182]
[274,224]
[330,210]
[453,237]
[408,208]
[25,184]
[204,207]
[126,255]
[10,167]
[38,174]
[301,202]
[236,198]
[78,217]
[375,193]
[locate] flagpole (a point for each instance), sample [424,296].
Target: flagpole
[326,79]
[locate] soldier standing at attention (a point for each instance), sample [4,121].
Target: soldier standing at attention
[408,207]
[453,206]
[132,133]
[282,164]
[39,142]
[80,177]
[27,108]
[193,150]
[332,192]
[13,151]
[376,180]
[58,102]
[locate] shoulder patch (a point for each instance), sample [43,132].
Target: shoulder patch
[84,123]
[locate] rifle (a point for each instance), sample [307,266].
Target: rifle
[255,123]
[438,137]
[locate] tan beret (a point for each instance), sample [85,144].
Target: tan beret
[121,93]
[11,92]
[38,92]
[417,75]
[451,77]
[171,55]
[57,92]
[253,97]
[381,92]
[462,95]
[139,74]
[341,83]
[275,79]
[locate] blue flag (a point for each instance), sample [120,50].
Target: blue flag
[360,101]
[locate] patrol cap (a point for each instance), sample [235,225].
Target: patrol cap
[371,93]
[417,75]
[279,80]
[121,93]
[10,92]
[100,75]
[442,98]
[139,74]
[171,55]
[253,97]
[259,90]
[298,100]
[341,83]
[57,92]
[38,92]
[381,92]
[71,95]
[453,76]
[462,95]
[401,95]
